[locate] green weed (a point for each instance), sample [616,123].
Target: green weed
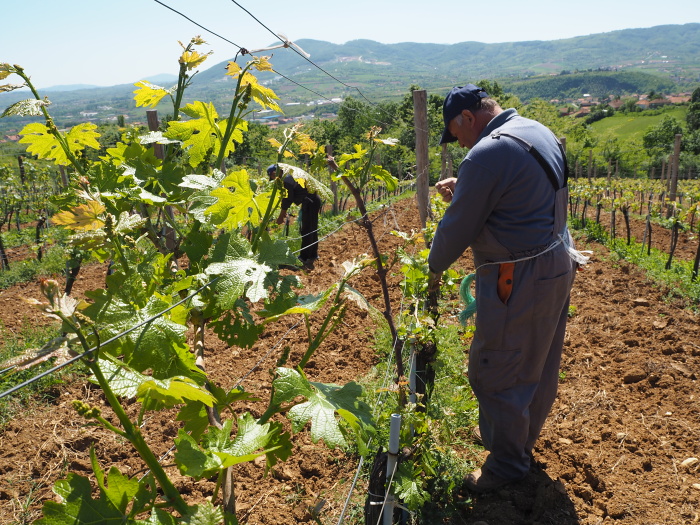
[677,280]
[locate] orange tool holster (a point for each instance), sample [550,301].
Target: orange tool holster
[505,281]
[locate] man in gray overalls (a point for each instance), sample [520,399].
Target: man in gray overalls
[509,204]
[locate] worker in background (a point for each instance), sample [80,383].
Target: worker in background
[310,203]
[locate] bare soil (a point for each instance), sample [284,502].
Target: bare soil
[617,448]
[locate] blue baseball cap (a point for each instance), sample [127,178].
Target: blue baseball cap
[457,99]
[271,169]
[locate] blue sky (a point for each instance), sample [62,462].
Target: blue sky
[118,42]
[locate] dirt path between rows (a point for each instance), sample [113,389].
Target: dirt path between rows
[618,446]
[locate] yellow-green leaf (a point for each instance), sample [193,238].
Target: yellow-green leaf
[5,70]
[198,135]
[261,94]
[192,59]
[42,143]
[83,135]
[262,63]
[233,69]
[307,145]
[84,217]
[46,145]
[236,202]
[149,94]
[24,107]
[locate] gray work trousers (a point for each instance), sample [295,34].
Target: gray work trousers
[515,356]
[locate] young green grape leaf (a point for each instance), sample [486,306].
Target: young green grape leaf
[305,304]
[384,176]
[83,217]
[159,344]
[198,134]
[409,487]
[238,271]
[237,330]
[127,154]
[201,200]
[203,514]
[123,380]
[166,393]
[6,70]
[192,59]
[275,253]
[324,401]
[196,419]
[77,507]
[122,490]
[218,451]
[42,143]
[261,94]
[203,132]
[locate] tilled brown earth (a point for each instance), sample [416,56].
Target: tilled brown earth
[619,446]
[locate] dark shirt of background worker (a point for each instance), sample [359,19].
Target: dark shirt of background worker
[310,204]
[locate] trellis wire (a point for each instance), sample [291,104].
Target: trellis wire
[242,49]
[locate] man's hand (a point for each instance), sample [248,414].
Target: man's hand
[283,215]
[446,188]
[434,282]
[433,292]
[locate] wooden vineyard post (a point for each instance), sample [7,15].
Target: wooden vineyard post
[153,124]
[443,163]
[673,186]
[20,161]
[64,178]
[420,124]
[159,152]
[334,184]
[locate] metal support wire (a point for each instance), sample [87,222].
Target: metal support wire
[110,340]
[244,51]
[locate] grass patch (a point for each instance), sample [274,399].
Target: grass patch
[632,126]
[52,263]
[27,236]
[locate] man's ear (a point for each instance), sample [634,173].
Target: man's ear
[468,117]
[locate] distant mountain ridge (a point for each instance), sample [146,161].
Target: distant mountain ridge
[662,58]
[155,79]
[70,87]
[669,50]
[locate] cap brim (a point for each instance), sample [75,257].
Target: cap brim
[447,137]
